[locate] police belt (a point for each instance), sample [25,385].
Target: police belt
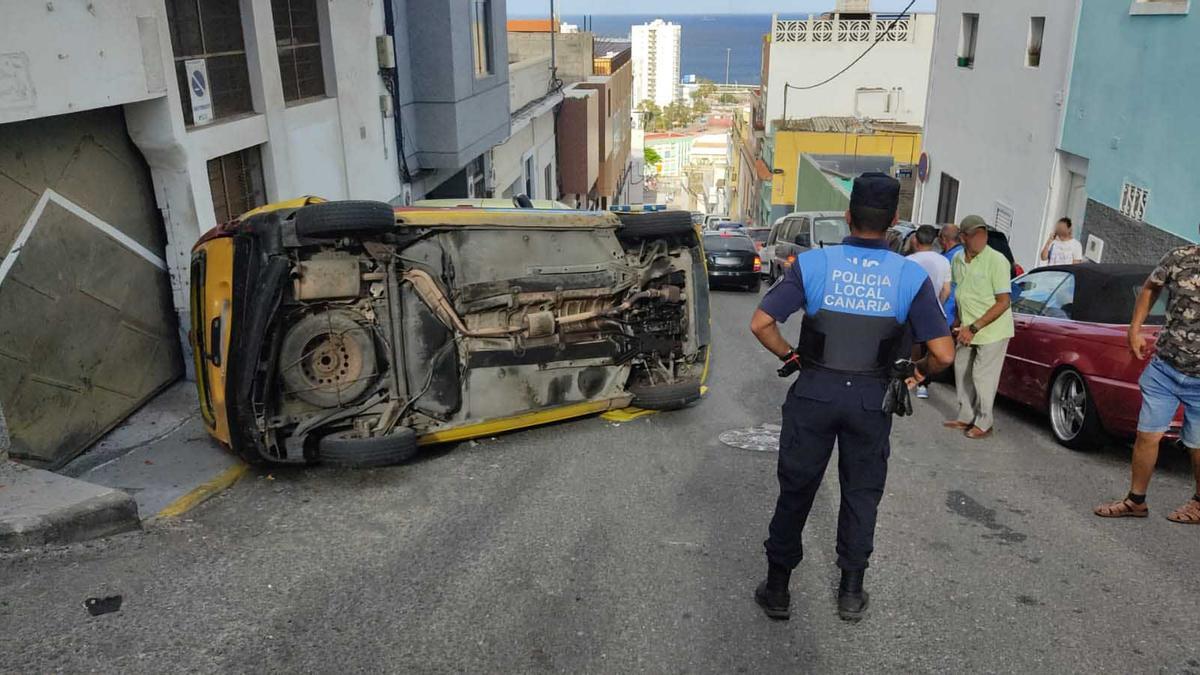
[882,372]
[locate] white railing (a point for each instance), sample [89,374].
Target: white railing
[836,29]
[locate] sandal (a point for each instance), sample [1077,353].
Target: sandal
[975,433]
[1122,508]
[1188,514]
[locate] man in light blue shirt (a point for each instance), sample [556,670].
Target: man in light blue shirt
[951,247]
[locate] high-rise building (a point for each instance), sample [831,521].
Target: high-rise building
[656,62]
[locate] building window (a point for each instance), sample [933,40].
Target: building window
[1033,47]
[966,40]
[548,185]
[530,178]
[206,38]
[236,182]
[476,178]
[1160,7]
[1134,200]
[481,36]
[947,199]
[298,39]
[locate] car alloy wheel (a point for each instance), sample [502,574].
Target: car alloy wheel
[1073,416]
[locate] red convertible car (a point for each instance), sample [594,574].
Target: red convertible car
[1070,355]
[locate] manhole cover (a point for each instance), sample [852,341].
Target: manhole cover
[763,438]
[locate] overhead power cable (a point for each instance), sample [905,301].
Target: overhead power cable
[878,39]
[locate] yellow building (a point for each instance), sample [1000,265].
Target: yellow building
[840,136]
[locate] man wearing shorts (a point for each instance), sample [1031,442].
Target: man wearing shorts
[1171,379]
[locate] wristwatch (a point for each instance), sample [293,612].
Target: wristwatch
[972,328]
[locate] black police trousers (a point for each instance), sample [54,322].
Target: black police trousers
[823,407]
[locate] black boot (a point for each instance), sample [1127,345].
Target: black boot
[772,595]
[852,599]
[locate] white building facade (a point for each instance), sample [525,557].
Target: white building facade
[131,128]
[889,83]
[525,164]
[997,96]
[656,52]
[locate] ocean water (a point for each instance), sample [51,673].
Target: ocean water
[704,40]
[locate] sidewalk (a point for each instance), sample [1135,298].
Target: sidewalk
[162,456]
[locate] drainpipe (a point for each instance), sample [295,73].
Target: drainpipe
[391,81]
[553,62]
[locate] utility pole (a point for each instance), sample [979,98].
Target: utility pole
[727,50]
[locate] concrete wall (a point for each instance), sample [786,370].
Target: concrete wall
[995,126]
[58,58]
[905,148]
[572,52]
[528,81]
[533,139]
[454,116]
[578,134]
[1126,240]
[816,190]
[1132,112]
[899,68]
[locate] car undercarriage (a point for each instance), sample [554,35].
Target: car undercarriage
[377,336]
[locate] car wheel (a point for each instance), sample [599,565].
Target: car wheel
[665,396]
[655,224]
[343,448]
[1073,416]
[337,219]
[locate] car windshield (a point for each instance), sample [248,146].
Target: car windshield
[718,244]
[759,234]
[829,231]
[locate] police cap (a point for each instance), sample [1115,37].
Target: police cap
[877,191]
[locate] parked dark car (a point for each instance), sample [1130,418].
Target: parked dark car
[1070,357]
[796,233]
[733,260]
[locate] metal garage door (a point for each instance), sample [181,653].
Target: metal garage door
[87,332]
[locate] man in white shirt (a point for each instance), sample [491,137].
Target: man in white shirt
[938,269]
[1062,248]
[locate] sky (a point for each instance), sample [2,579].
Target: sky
[667,7]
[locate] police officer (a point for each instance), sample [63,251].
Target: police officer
[863,305]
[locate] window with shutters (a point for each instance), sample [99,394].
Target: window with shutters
[236,182]
[298,41]
[211,30]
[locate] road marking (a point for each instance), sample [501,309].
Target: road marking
[626,414]
[203,492]
[35,217]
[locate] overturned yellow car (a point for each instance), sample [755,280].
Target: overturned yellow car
[353,332]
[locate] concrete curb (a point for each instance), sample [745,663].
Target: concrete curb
[38,508]
[204,492]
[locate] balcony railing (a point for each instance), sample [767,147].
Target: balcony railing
[822,28]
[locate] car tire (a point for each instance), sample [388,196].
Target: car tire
[337,219]
[654,224]
[1074,419]
[665,396]
[342,448]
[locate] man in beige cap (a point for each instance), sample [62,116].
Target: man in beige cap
[983,326]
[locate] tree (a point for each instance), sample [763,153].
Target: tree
[727,98]
[651,113]
[701,107]
[706,89]
[651,156]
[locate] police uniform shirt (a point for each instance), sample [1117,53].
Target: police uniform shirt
[859,293]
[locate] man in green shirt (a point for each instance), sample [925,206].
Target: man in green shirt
[983,327]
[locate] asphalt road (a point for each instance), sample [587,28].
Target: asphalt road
[595,547]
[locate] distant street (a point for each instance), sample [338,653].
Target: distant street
[590,546]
